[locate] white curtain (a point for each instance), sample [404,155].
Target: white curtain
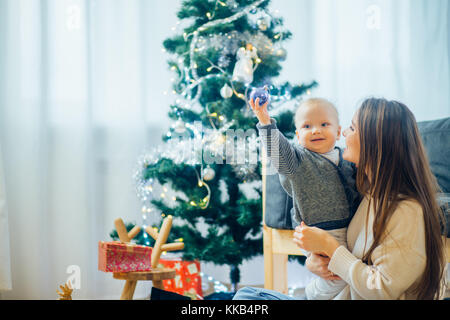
[81,97]
[5,263]
[398,49]
[5,257]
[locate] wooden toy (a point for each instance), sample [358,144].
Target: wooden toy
[66,293]
[156,275]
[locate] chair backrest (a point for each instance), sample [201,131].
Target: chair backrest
[278,204]
[436,138]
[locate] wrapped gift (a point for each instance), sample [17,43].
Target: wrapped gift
[116,256]
[187,281]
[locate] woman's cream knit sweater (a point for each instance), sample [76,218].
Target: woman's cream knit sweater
[398,262]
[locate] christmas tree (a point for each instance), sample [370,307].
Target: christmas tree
[210,155]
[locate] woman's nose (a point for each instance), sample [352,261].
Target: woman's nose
[344,133]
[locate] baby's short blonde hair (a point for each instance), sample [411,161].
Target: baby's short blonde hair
[318,102]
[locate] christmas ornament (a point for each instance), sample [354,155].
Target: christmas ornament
[179,126]
[226,92]
[261,93]
[209,174]
[243,70]
[281,53]
[66,293]
[262,24]
[246,171]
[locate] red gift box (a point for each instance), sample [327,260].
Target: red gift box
[187,281]
[117,256]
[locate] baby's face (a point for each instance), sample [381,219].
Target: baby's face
[317,127]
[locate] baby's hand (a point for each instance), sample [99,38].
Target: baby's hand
[260,111]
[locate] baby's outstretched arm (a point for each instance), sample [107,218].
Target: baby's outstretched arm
[283,155]
[260,111]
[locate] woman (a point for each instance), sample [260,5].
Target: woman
[395,249]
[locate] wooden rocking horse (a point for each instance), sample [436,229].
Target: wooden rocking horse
[156,275]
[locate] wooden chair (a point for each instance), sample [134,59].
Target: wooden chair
[278,245]
[156,275]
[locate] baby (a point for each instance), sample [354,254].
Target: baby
[320,182]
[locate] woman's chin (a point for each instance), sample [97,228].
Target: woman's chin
[347,156]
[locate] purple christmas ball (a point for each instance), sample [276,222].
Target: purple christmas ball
[261,93]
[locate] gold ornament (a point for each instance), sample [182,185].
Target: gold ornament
[66,293]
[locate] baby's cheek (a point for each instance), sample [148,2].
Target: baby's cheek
[301,138]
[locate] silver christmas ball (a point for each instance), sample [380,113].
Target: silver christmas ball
[226,92]
[281,53]
[209,174]
[180,126]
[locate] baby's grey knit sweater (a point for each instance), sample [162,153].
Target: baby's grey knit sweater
[324,194]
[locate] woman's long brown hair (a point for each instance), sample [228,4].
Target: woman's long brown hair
[393,167]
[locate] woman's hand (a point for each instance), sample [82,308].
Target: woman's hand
[318,265]
[315,240]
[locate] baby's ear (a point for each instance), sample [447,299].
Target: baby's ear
[339,133]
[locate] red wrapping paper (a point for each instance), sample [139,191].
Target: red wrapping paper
[116,256]
[187,281]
